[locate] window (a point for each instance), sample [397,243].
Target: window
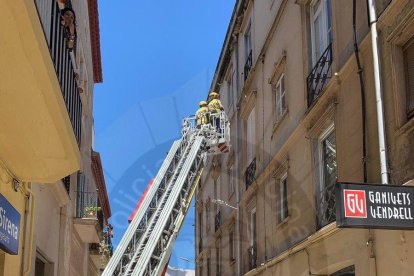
[231,246]
[348,271]
[208,266]
[283,199]
[231,86]
[328,177]
[208,216]
[42,266]
[218,259]
[328,158]
[280,92]
[252,228]
[39,267]
[248,51]
[248,40]
[321,27]
[252,250]
[200,232]
[408,50]
[231,172]
[250,136]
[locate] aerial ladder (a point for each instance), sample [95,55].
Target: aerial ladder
[146,246]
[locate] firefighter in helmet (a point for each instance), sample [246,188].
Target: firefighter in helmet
[201,114]
[215,107]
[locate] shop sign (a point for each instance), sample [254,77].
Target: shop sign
[9,227]
[374,206]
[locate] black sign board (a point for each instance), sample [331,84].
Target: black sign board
[374,206]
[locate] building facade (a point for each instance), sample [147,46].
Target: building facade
[302,109]
[50,175]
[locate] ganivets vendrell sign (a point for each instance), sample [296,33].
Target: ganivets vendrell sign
[374,206]
[9,227]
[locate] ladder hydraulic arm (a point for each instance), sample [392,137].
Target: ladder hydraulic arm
[147,244]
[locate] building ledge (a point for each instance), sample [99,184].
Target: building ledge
[86,228]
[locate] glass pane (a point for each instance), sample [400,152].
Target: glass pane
[329,20]
[329,160]
[318,39]
[282,96]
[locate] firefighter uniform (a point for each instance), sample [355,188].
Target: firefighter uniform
[201,114]
[215,107]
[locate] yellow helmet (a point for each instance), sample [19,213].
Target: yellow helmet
[214,94]
[203,103]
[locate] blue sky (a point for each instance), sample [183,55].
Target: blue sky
[158,61]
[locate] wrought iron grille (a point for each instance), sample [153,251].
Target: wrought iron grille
[252,252]
[250,173]
[86,205]
[217,221]
[66,183]
[327,206]
[319,75]
[248,64]
[62,59]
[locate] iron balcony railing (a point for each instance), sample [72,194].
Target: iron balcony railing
[248,64]
[66,183]
[319,75]
[326,212]
[87,205]
[63,60]
[250,172]
[217,221]
[252,252]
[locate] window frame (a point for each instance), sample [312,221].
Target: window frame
[324,10]
[232,186]
[218,257]
[325,134]
[280,105]
[230,80]
[252,227]
[283,199]
[248,40]
[208,214]
[250,136]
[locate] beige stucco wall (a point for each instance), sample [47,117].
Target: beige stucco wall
[295,247]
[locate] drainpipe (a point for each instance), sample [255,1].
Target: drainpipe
[30,195]
[378,94]
[237,165]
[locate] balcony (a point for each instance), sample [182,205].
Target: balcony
[250,172]
[252,254]
[248,65]
[63,61]
[319,75]
[326,212]
[37,141]
[86,216]
[100,253]
[217,221]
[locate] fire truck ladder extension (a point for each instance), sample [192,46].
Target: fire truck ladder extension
[165,231]
[145,258]
[135,229]
[147,244]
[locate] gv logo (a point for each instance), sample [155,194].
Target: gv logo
[355,204]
